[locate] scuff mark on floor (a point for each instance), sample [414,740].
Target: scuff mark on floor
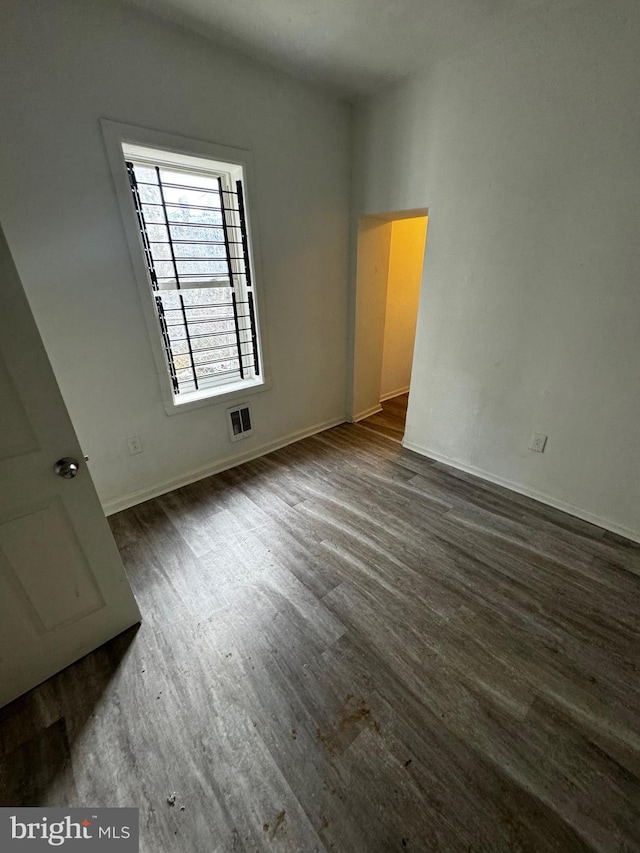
[336,739]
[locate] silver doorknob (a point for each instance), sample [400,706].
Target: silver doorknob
[67,467]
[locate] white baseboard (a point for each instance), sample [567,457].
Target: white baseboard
[541,497]
[395,393]
[117,504]
[366,414]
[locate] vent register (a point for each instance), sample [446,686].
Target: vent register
[240,424]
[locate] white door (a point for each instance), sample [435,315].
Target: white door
[63,589]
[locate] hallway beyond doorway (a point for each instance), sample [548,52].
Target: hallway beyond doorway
[389,272]
[390,421]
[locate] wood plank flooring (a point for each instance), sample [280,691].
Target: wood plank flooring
[390,421]
[348,647]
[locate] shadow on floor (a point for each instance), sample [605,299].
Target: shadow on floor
[35,739]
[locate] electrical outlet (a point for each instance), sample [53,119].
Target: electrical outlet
[135,444]
[538,442]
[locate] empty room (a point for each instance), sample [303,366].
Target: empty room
[319,406]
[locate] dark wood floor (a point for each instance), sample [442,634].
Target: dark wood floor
[347,647]
[389,423]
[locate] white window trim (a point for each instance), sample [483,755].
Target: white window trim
[115,134]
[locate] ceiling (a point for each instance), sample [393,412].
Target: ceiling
[353,46]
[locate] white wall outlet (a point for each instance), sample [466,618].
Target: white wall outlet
[538,442]
[135,444]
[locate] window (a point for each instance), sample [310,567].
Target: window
[192,246]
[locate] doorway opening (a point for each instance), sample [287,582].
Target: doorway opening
[390,257]
[390,420]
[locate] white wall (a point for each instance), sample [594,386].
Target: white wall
[372,273]
[527,153]
[64,65]
[406,255]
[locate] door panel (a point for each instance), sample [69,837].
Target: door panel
[53,600]
[16,435]
[63,589]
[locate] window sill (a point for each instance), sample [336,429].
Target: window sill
[211,396]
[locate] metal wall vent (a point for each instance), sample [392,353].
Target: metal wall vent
[240,424]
